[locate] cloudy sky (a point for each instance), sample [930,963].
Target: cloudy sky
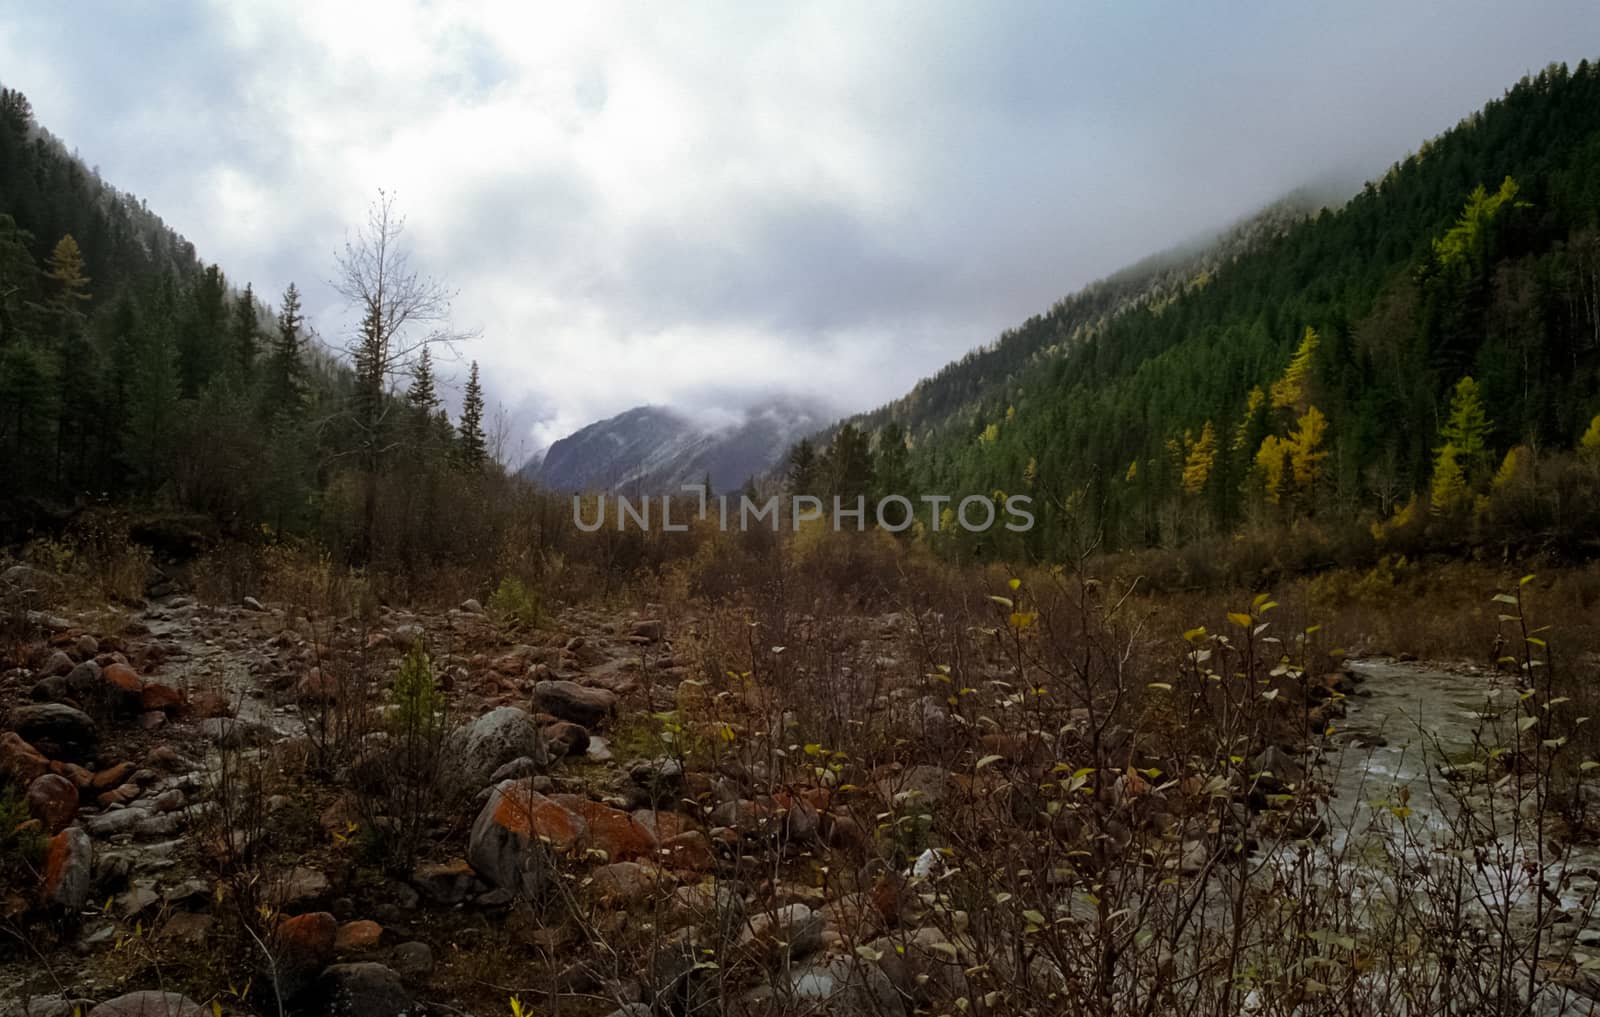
[701,204]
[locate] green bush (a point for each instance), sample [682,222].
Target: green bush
[515,604]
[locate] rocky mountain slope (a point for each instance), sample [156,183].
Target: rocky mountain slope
[657,449]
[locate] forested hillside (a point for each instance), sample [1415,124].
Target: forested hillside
[136,375]
[1424,361]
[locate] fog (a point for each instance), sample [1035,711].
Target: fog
[716,205]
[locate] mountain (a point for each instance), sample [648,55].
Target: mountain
[657,449]
[1360,369]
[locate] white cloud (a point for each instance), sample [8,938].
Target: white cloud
[671,203]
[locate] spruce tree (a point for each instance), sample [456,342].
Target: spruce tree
[245,333]
[474,448]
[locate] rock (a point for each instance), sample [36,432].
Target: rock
[1279,764]
[632,1010]
[566,738]
[574,702]
[841,987]
[777,938]
[190,928]
[26,578]
[122,686]
[51,690]
[235,733]
[471,606]
[68,869]
[501,846]
[445,883]
[21,761]
[53,801]
[158,697]
[150,1004]
[317,688]
[83,679]
[356,937]
[480,748]
[624,884]
[518,768]
[366,989]
[406,637]
[298,886]
[113,823]
[649,630]
[612,831]
[55,1006]
[302,947]
[57,731]
[112,776]
[252,604]
[56,665]
[413,961]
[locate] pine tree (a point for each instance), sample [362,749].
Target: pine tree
[422,395]
[1307,453]
[801,468]
[285,388]
[245,333]
[474,448]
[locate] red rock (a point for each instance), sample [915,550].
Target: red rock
[123,678]
[53,801]
[157,696]
[112,776]
[525,811]
[613,831]
[355,937]
[67,869]
[208,704]
[305,945]
[80,777]
[21,761]
[689,850]
[316,687]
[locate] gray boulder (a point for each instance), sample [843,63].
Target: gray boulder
[366,989]
[480,748]
[57,730]
[577,703]
[150,1004]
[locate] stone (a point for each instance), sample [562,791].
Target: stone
[357,937]
[649,630]
[413,961]
[566,738]
[612,831]
[57,664]
[302,947]
[623,884]
[235,733]
[68,869]
[190,928]
[252,604]
[1279,764]
[57,731]
[150,1004]
[26,577]
[317,688]
[481,747]
[445,883]
[51,690]
[112,776]
[158,697]
[777,938]
[53,801]
[518,768]
[19,760]
[842,987]
[83,679]
[122,687]
[365,989]
[578,703]
[471,606]
[515,819]
[299,885]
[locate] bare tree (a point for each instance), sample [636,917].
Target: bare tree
[402,313]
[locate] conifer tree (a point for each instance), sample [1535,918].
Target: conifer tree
[1467,429]
[245,333]
[285,388]
[801,468]
[474,448]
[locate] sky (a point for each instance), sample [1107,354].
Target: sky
[710,204]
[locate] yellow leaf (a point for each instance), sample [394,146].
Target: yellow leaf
[1240,619]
